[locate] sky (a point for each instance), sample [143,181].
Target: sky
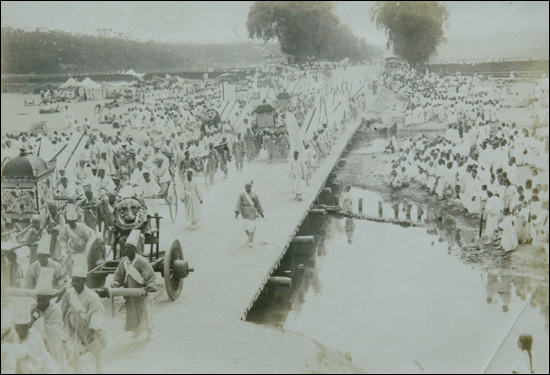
[219,22]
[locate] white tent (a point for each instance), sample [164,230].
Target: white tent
[132,73]
[89,84]
[71,82]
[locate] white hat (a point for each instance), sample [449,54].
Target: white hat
[144,171]
[133,238]
[21,310]
[44,285]
[80,266]
[71,212]
[44,244]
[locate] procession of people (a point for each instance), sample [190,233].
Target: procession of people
[168,138]
[476,162]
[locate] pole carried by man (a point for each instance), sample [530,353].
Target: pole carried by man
[83,317]
[134,271]
[47,320]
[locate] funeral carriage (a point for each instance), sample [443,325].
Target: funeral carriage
[28,184]
[130,214]
[265,116]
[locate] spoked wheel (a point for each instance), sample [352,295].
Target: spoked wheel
[172,201]
[172,281]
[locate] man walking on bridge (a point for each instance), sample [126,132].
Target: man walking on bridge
[249,207]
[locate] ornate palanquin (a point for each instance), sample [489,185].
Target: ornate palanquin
[27,185]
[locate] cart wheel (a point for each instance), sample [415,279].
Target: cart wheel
[96,253]
[172,201]
[173,283]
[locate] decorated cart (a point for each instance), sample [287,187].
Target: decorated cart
[130,214]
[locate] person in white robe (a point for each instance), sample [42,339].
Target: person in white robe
[47,320]
[83,318]
[192,198]
[298,172]
[134,271]
[74,238]
[509,236]
[249,207]
[494,209]
[26,344]
[148,190]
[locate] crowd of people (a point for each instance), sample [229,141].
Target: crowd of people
[489,167]
[170,137]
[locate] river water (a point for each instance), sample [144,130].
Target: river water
[398,299]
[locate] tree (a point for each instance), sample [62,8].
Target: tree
[304,28]
[414,28]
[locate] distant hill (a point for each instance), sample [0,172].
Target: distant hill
[527,44]
[531,44]
[50,51]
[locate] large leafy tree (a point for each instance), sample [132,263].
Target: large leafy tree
[414,28]
[305,28]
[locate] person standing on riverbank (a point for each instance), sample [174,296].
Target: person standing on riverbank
[249,207]
[524,363]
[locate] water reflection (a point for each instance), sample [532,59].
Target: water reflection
[397,284]
[393,298]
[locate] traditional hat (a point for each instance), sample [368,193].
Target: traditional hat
[133,238]
[44,244]
[145,171]
[44,285]
[35,217]
[249,183]
[87,186]
[64,177]
[80,266]
[71,212]
[138,161]
[190,170]
[21,310]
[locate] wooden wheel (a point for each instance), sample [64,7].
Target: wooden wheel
[172,281]
[172,201]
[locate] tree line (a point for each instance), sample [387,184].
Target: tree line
[52,51]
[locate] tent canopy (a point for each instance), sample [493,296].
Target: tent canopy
[71,82]
[132,73]
[89,84]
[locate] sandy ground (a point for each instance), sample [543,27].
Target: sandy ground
[16,117]
[201,331]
